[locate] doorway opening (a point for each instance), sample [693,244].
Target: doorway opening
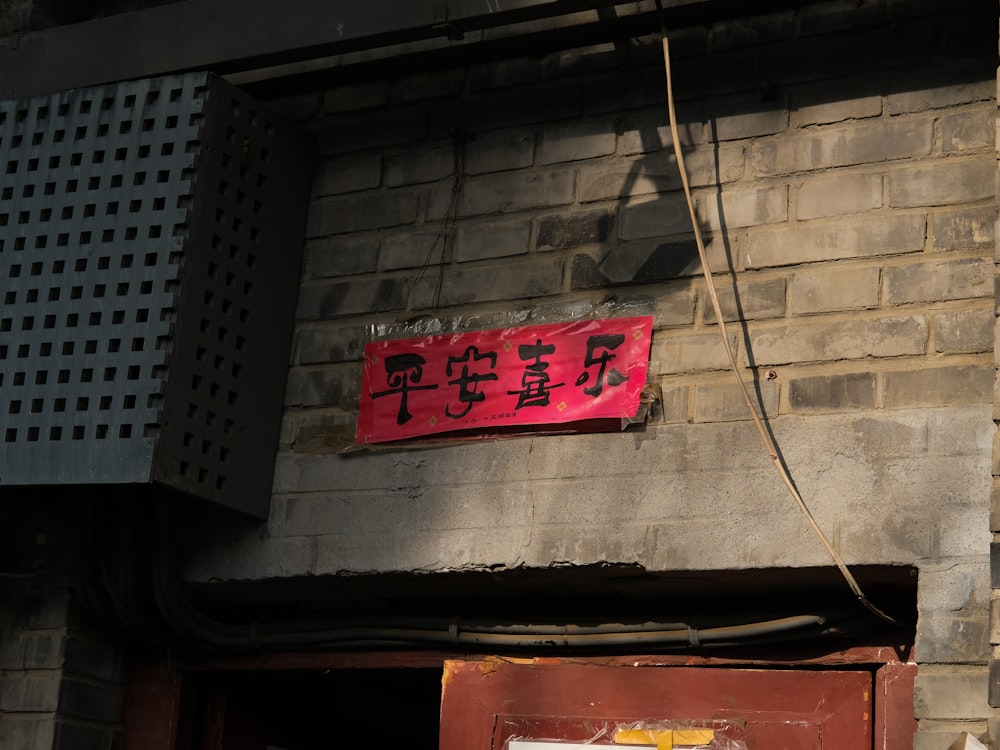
[314,710]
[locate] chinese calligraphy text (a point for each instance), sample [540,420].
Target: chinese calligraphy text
[483,380]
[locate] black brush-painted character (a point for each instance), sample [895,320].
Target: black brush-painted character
[402,370]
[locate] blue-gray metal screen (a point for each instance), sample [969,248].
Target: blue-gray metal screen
[150,236]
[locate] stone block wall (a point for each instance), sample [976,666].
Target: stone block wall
[62,686]
[843,159]
[62,677]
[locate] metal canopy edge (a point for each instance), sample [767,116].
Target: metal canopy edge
[228,36]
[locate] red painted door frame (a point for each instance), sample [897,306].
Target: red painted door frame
[153,708]
[895,724]
[158,694]
[485,703]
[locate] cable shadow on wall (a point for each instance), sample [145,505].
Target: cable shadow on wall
[755,381]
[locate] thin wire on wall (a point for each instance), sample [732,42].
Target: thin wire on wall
[713,296]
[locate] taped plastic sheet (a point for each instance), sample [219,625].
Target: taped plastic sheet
[662,735]
[561,312]
[570,376]
[667,735]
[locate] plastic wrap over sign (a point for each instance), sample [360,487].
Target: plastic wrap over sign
[661,735]
[506,377]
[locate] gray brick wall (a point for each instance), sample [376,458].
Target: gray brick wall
[62,686]
[848,202]
[962,133]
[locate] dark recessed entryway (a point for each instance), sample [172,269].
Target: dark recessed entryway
[313,710]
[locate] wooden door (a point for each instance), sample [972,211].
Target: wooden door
[485,703]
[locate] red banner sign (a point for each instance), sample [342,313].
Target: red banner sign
[535,375]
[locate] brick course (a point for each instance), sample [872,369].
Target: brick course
[507,192]
[964,331]
[969,131]
[348,174]
[566,230]
[725,402]
[751,299]
[836,339]
[744,116]
[347,215]
[331,257]
[422,166]
[833,392]
[809,242]
[956,230]
[841,194]
[326,300]
[499,152]
[942,184]
[862,143]
[840,99]
[411,250]
[941,385]
[829,289]
[939,280]
[576,142]
[491,239]
[520,279]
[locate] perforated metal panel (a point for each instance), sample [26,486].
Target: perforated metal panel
[150,244]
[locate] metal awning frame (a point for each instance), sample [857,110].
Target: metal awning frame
[241,36]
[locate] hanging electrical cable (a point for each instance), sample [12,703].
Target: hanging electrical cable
[196,629]
[716,307]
